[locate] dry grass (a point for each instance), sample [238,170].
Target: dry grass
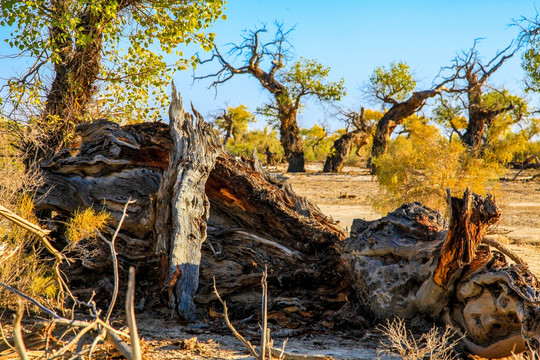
[20,254]
[435,344]
[84,224]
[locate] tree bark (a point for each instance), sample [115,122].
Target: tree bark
[394,117]
[182,207]
[291,140]
[342,148]
[255,221]
[76,72]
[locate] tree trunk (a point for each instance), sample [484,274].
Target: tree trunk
[392,118]
[479,116]
[291,140]
[182,207]
[76,72]
[477,119]
[341,149]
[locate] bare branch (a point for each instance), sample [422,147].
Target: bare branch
[17,332]
[130,314]
[499,58]
[239,336]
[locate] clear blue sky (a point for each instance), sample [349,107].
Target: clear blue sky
[355,37]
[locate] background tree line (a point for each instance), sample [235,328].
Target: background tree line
[105,58]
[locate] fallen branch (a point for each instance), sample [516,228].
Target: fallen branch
[130,315]
[506,251]
[264,312]
[42,235]
[288,356]
[61,320]
[239,336]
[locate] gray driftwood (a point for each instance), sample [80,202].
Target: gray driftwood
[182,207]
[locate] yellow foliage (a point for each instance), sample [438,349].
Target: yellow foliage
[317,144]
[256,139]
[84,224]
[22,265]
[45,285]
[422,165]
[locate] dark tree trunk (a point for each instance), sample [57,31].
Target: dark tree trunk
[342,148]
[270,157]
[76,72]
[394,117]
[479,116]
[290,139]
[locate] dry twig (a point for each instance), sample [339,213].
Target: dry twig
[265,343]
[130,314]
[17,332]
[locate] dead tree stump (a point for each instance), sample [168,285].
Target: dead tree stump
[182,207]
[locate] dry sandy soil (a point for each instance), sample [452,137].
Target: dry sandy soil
[345,197]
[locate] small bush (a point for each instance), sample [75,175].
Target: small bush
[84,224]
[421,165]
[21,256]
[259,139]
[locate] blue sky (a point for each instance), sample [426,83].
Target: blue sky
[353,38]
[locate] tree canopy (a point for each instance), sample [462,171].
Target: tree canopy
[391,85]
[100,56]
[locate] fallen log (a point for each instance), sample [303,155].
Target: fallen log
[408,263]
[255,221]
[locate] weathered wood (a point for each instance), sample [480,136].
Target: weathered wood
[255,220]
[470,219]
[392,257]
[182,206]
[407,264]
